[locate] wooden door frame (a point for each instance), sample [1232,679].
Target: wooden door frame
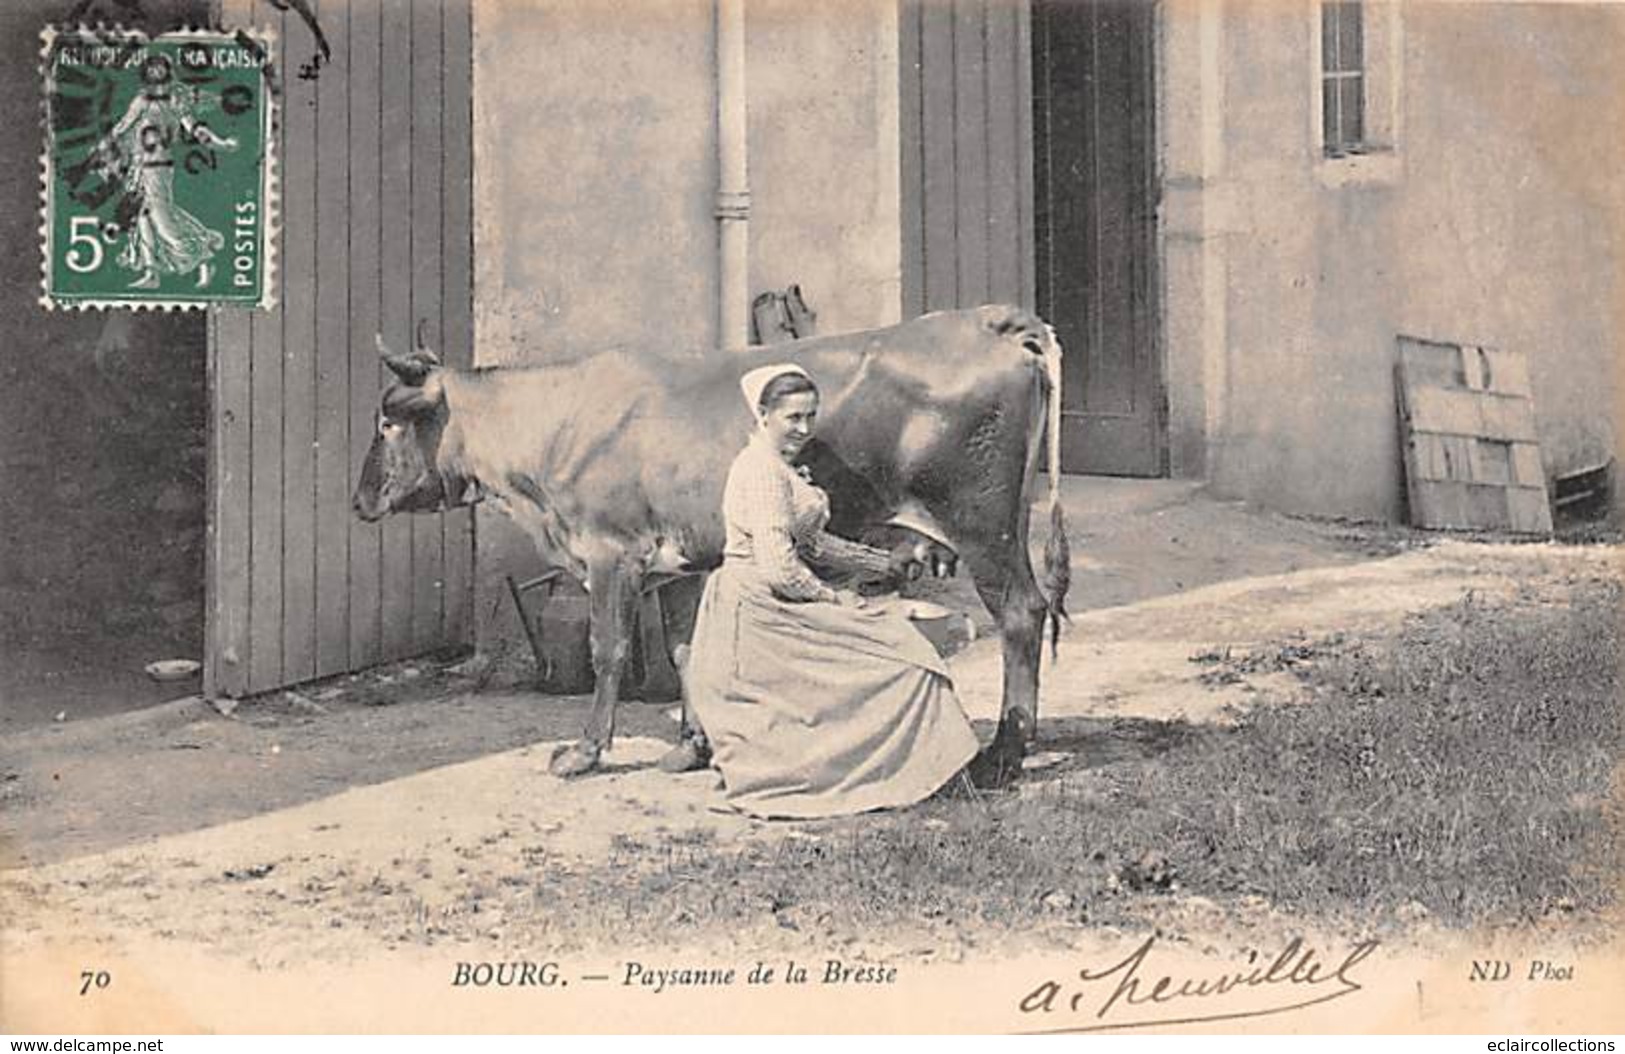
[1153,235]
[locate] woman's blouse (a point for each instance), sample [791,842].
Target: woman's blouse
[775,521]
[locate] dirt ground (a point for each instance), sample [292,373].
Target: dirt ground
[330,825]
[85,785]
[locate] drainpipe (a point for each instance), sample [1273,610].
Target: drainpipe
[733,182]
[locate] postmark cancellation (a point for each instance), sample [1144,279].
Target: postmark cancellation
[158,169]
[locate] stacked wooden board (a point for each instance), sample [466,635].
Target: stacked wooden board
[1467,423]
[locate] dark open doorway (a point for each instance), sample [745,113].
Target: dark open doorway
[103,449]
[106,467]
[1094,146]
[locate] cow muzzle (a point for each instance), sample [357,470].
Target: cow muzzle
[369,511]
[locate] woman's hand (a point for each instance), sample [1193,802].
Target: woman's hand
[848,599]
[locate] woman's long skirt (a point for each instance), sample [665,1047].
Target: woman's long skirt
[165,237]
[820,709]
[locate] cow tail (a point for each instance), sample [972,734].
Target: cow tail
[1057,550]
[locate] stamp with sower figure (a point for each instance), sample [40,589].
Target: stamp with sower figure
[158,169]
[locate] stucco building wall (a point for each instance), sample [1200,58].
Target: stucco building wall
[1494,220]
[596,178]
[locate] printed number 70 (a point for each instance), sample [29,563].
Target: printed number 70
[94,979]
[86,261]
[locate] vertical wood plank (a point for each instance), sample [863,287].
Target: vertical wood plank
[1472,368]
[1508,372]
[1435,457]
[1464,451]
[299,360]
[1085,154]
[1494,463]
[1152,384]
[970,138]
[1026,224]
[1004,149]
[1117,159]
[395,288]
[426,69]
[911,158]
[366,375]
[231,481]
[1144,357]
[266,553]
[1526,467]
[1477,467]
[332,396]
[1045,197]
[941,270]
[231,465]
[457,289]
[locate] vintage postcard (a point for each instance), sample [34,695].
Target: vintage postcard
[157,168]
[998,516]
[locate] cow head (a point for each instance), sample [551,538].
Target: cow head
[405,469]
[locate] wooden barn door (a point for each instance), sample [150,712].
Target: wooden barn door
[1093,109]
[375,156]
[965,122]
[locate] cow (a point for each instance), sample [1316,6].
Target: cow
[614,465]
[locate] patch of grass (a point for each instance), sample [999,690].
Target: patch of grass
[1460,768]
[1463,766]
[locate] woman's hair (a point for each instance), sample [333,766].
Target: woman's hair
[156,70]
[782,387]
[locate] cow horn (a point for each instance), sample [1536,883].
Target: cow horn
[423,344]
[411,368]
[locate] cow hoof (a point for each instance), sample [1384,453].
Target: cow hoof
[574,759]
[995,767]
[687,756]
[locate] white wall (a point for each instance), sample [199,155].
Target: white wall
[1495,221]
[596,172]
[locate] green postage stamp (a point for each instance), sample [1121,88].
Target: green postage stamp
[158,169]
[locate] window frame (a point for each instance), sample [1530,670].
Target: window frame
[1342,25]
[1376,157]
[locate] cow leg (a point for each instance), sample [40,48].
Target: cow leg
[1004,580]
[693,750]
[614,600]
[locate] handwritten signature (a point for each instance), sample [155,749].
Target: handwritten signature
[1296,978]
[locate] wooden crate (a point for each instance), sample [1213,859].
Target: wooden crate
[1467,422]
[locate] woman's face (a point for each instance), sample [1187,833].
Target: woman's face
[155,74]
[789,422]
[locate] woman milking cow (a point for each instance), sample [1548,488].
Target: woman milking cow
[619,468]
[814,701]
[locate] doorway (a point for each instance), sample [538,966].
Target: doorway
[1094,176]
[103,566]
[103,454]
